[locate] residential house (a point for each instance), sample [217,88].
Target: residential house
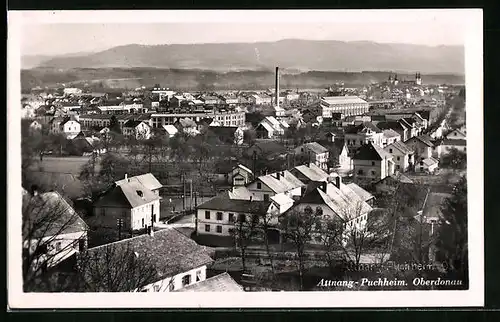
[148,180]
[269,128]
[372,163]
[456,134]
[390,136]
[421,146]
[341,155]
[217,217]
[427,165]
[390,183]
[402,155]
[67,126]
[309,172]
[267,149]
[267,186]
[52,230]
[318,154]
[219,283]
[448,144]
[228,134]
[170,130]
[129,202]
[240,175]
[178,261]
[336,202]
[403,128]
[362,134]
[138,129]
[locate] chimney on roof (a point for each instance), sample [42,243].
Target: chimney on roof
[323,186]
[251,198]
[338,181]
[126,177]
[34,190]
[278,175]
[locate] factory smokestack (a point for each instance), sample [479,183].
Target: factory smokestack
[277,87]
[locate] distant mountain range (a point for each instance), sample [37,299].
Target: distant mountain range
[293,55]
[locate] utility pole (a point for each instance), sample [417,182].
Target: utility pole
[183,191]
[119,223]
[191,194]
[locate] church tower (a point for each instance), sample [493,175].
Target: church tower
[396,79]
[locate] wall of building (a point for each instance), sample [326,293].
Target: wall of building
[374,170]
[170,284]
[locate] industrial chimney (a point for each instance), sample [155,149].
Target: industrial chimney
[277,86]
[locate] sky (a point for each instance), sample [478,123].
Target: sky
[47,38]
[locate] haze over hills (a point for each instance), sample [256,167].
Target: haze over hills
[293,55]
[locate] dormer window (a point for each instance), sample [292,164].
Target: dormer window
[139,193]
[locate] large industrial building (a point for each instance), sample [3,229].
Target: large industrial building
[346,105]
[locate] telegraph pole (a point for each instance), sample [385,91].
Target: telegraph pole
[183,192]
[190,194]
[119,223]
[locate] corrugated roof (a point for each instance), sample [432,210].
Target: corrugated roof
[168,250]
[219,283]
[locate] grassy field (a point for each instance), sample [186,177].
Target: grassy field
[68,165]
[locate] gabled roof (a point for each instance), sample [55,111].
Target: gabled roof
[132,123]
[131,194]
[344,202]
[170,129]
[286,182]
[425,139]
[222,203]
[311,172]
[400,146]
[395,125]
[268,147]
[390,133]
[314,147]
[49,214]
[148,180]
[218,283]
[353,129]
[282,199]
[454,142]
[362,193]
[430,161]
[241,166]
[371,152]
[168,250]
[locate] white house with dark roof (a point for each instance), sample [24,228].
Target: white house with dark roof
[148,180]
[138,129]
[177,260]
[240,175]
[372,163]
[131,202]
[52,230]
[336,201]
[267,186]
[402,155]
[421,146]
[318,153]
[217,216]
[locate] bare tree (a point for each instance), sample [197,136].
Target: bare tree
[52,232]
[118,267]
[299,227]
[245,232]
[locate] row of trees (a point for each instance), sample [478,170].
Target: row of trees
[395,233]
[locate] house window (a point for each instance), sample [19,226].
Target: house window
[360,171]
[390,150]
[398,167]
[231,218]
[219,229]
[373,162]
[266,197]
[259,185]
[171,286]
[219,215]
[58,246]
[186,280]
[398,158]
[198,276]
[373,172]
[242,217]
[421,168]
[207,214]
[142,222]
[156,288]
[207,228]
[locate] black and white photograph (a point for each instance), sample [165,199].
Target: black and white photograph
[316,158]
